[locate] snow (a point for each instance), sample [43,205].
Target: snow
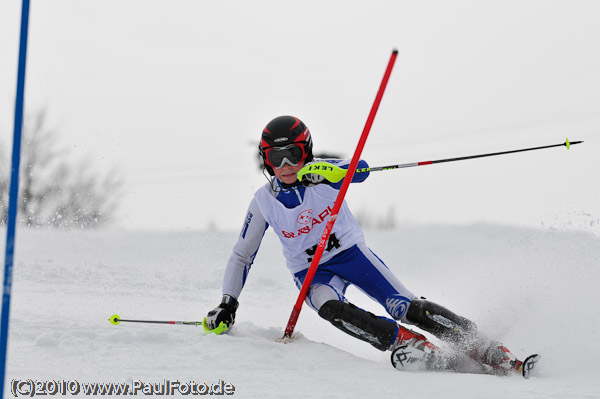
[535,290]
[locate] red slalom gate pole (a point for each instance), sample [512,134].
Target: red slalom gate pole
[338,202]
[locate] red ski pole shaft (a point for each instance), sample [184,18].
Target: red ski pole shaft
[339,200]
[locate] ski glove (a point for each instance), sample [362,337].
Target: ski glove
[312,179]
[225,312]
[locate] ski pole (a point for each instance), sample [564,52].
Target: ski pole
[115,320]
[338,202]
[334,173]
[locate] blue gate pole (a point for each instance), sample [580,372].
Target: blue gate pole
[13,194]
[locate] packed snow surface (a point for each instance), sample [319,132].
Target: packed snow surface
[535,290]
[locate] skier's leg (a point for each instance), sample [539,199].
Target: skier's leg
[370,275]
[441,322]
[411,350]
[382,333]
[362,268]
[462,333]
[326,296]
[365,270]
[325,287]
[359,323]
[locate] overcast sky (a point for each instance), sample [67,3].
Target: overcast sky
[174,94]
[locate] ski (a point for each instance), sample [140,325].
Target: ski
[528,367]
[411,359]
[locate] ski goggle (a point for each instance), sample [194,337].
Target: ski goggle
[291,154]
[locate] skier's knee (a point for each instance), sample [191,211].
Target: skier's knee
[396,306]
[417,311]
[330,310]
[423,312]
[359,323]
[320,294]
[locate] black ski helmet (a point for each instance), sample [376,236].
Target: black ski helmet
[282,131]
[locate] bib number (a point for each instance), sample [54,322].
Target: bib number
[332,244]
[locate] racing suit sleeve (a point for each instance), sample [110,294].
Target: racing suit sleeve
[244,251]
[357,178]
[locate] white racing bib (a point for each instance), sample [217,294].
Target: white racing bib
[300,229]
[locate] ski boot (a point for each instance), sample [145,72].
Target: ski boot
[413,352]
[503,362]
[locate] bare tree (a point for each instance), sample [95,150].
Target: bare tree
[54,191]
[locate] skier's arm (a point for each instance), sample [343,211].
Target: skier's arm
[244,251]
[238,266]
[357,178]
[336,172]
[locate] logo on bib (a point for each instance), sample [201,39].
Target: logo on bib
[305,216]
[308,219]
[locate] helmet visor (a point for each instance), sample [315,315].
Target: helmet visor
[291,154]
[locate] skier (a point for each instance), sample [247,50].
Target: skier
[298,211]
